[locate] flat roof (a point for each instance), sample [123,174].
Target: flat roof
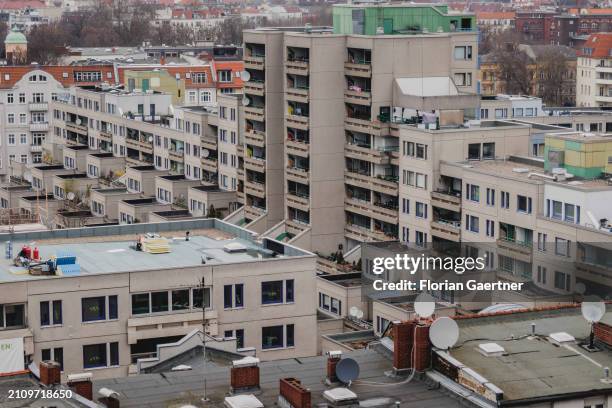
[184,387]
[116,245]
[111,190]
[72,176]
[344,279]
[533,367]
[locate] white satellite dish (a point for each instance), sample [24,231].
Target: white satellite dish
[353,311]
[70,196]
[444,333]
[245,76]
[205,153]
[150,139]
[580,288]
[424,305]
[593,309]
[246,101]
[359,314]
[78,121]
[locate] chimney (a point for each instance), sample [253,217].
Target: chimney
[603,333]
[333,358]
[50,373]
[81,384]
[422,352]
[292,392]
[403,336]
[109,398]
[245,374]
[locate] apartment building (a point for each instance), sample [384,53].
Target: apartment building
[25,93]
[102,317]
[594,72]
[324,130]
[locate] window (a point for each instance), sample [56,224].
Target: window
[488,150]
[381,324]
[23,139]
[484,114]
[201,296]
[542,241]
[180,299]
[505,199]
[417,150]
[233,296]
[490,228]
[330,304]
[562,247]
[100,355]
[523,204]
[159,302]
[22,98]
[54,354]
[11,139]
[405,206]
[420,238]
[463,79]
[490,196]
[541,275]
[570,212]
[501,113]
[225,76]
[10,98]
[472,192]
[557,210]
[11,118]
[420,210]
[414,179]
[277,336]
[198,77]
[562,281]
[463,52]
[238,334]
[93,309]
[471,223]
[12,316]
[50,313]
[88,76]
[474,151]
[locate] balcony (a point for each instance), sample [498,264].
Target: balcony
[146,147]
[365,153]
[295,227]
[300,202]
[42,127]
[296,67]
[599,68]
[208,143]
[359,70]
[253,212]
[174,154]
[297,174]
[36,148]
[209,164]
[296,121]
[73,127]
[381,185]
[254,62]
[255,189]
[603,81]
[358,97]
[297,148]
[363,234]
[255,137]
[240,172]
[105,135]
[255,164]
[254,113]
[240,150]
[297,94]
[38,106]
[174,324]
[603,98]
[240,196]
[446,200]
[515,249]
[374,210]
[254,87]
[133,143]
[366,126]
[450,230]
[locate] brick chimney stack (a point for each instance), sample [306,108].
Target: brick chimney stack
[245,374]
[293,392]
[422,345]
[50,373]
[81,384]
[333,358]
[403,340]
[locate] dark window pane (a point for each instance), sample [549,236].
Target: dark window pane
[272,292]
[290,336]
[112,307]
[93,308]
[197,298]
[180,299]
[57,312]
[1,316]
[474,151]
[289,293]
[228,333]
[94,355]
[58,355]
[114,354]
[240,338]
[227,296]
[140,303]
[159,302]
[239,295]
[45,354]
[15,315]
[44,314]
[272,337]
[488,150]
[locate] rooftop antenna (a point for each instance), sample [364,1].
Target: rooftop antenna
[593,310]
[444,333]
[424,305]
[347,370]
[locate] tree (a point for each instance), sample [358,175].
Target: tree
[46,44]
[514,64]
[3,33]
[551,70]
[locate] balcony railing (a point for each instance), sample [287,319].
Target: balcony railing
[38,106]
[39,127]
[358,69]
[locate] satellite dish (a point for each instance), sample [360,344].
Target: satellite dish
[245,76]
[347,370]
[580,288]
[359,314]
[246,101]
[78,121]
[150,138]
[70,196]
[593,309]
[205,153]
[444,333]
[424,305]
[353,311]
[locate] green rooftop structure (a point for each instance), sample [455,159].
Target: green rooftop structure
[399,18]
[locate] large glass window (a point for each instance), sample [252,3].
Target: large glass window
[12,316]
[488,150]
[180,299]
[233,296]
[272,337]
[50,312]
[289,292]
[474,151]
[557,210]
[113,309]
[272,292]
[159,302]
[94,355]
[93,309]
[201,295]
[140,303]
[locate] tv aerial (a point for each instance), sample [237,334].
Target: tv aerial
[424,305]
[347,370]
[444,333]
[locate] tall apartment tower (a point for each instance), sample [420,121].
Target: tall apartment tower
[322,103]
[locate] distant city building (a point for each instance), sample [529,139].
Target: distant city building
[594,72]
